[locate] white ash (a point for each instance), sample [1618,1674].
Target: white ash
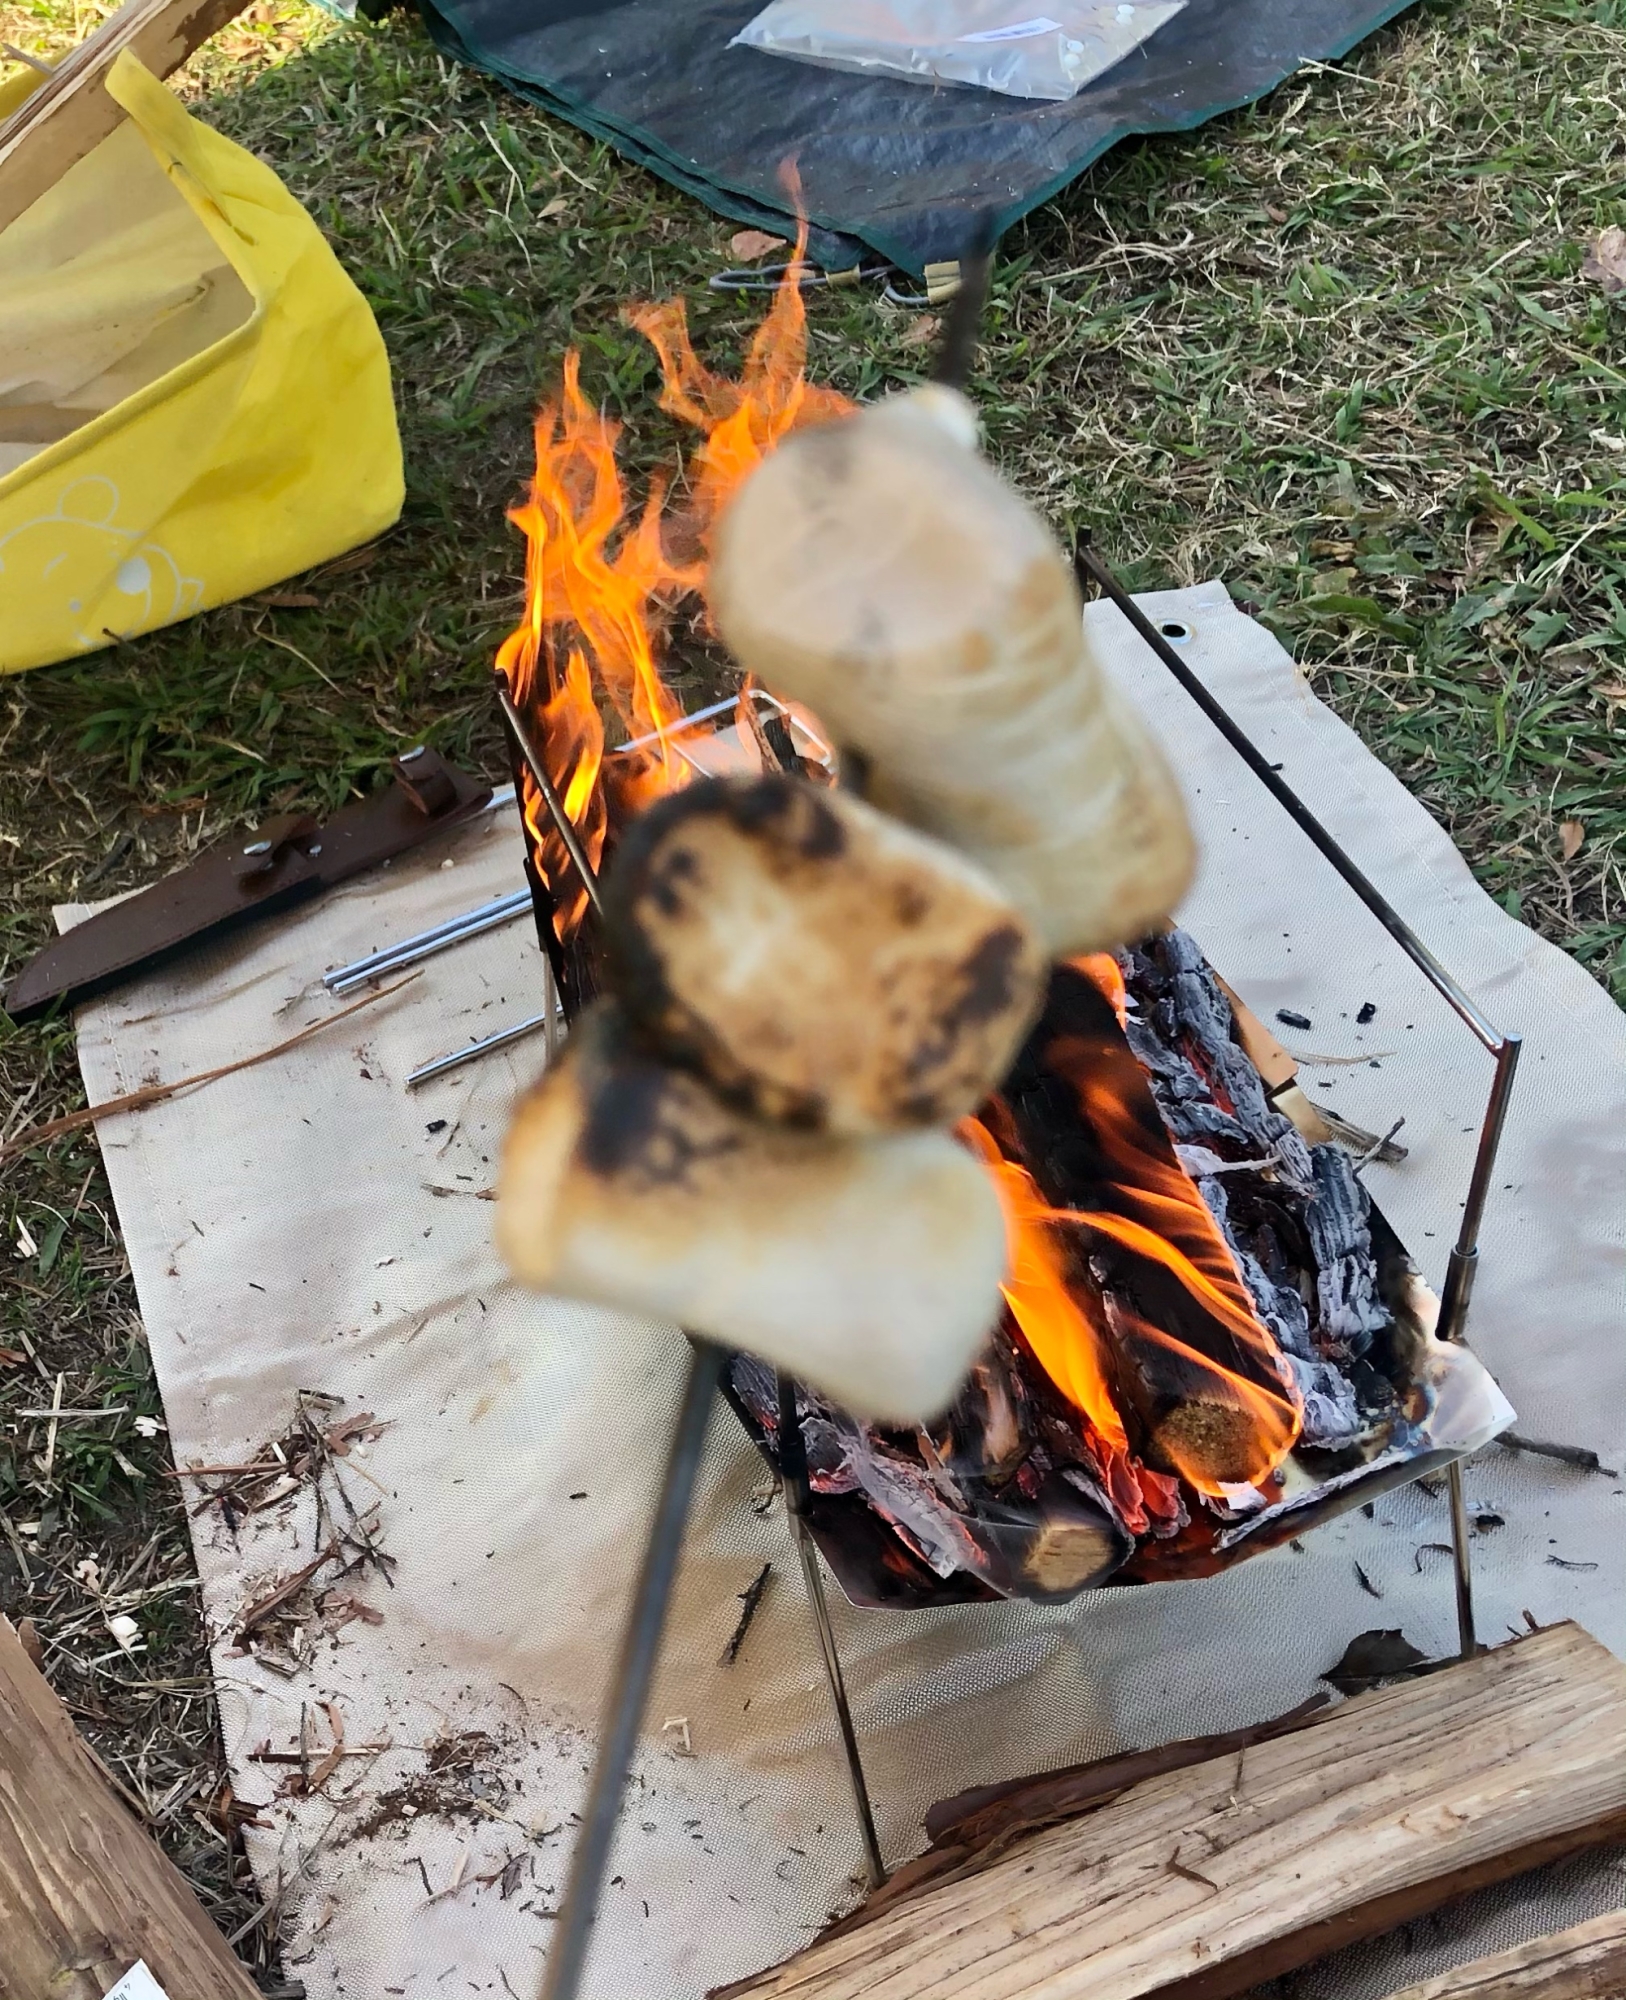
[1332,1411]
[1339,1222]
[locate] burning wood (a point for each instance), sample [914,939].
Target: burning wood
[1210,1337]
[816,961]
[881,571]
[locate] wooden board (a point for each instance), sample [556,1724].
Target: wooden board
[84,1891]
[1587,1963]
[1199,1883]
[71,113]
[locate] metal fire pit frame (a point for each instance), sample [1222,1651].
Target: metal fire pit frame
[640,1641]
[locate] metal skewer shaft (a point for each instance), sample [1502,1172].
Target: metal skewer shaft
[798,1499]
[550,797]
[485,1046]
[456,930]
[629,1690]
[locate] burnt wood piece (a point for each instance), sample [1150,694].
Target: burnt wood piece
[256,873]
[1090,1131]
[1199,1883]
[84,1892]
[1586,1963]
[70,113]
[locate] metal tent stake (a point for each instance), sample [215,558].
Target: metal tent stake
[1464,1259]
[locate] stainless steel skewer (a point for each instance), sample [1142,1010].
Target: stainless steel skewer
[485,1046]
[473,923]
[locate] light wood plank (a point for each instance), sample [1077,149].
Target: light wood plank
[71,113]
[1198,1883]
[1586,1963]
[84,1892]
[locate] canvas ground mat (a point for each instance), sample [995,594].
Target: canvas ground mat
[309,1225]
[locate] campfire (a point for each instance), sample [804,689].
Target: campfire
[1211,1338]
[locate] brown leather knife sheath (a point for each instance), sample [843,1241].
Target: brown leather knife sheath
[252,875]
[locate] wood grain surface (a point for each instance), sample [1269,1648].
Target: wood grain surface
[84,1891]
[1198,1883]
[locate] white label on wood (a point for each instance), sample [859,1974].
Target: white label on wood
[138,1984]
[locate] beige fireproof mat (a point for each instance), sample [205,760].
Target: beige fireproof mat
[310,1225]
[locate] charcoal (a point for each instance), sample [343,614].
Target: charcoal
[1277,1301]
[1188,1006]
[1350,1311]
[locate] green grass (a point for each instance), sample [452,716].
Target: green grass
[1336,350]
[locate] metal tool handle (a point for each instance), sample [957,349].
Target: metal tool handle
[634,1669]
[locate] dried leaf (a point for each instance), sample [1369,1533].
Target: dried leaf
[919,332]
[289,600]
[750,244]
[557,206]
[1571,833]
[12,1357]
[1606,259]
[1373,1657]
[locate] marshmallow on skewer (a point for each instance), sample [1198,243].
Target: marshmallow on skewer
[820,963]
[878,569]
[868,1267]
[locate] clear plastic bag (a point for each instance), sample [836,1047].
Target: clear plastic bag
[1022,48]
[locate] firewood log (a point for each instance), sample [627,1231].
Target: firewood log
[818,962]
[869,1267]
[878,569]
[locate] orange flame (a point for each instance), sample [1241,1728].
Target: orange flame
[1159,1215]
[743,420]
[598,593]
[1068,1346]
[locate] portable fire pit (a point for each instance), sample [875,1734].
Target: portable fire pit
[1212,1339]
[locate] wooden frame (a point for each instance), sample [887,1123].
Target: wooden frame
[70,113]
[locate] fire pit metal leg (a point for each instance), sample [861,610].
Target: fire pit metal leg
[1464,1259]
[798,1494]
[1459,1285]
[634,1669]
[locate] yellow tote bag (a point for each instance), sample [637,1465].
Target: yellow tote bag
[194,398]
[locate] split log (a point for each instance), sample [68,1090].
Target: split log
[1586,1963]
[1197,1884]
[84,1892]
[70,113]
